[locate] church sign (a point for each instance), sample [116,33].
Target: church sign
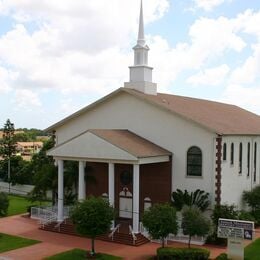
[235,231]
[229,228]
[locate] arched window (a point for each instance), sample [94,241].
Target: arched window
[232,154]
[240,158]
[194,161]
[224,152]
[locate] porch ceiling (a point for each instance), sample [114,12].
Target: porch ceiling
[106,145]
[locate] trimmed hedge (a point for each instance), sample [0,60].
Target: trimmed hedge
[170,253]
[223,256]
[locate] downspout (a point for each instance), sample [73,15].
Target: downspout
[218,170]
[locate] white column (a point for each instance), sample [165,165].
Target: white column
[60,190]
[82,184]
[136,184]
[111,183]
[111,186]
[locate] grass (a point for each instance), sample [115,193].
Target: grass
[252,251]
[19,205]
[80,254]
[8,242]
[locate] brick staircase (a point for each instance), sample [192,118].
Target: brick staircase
[119,237]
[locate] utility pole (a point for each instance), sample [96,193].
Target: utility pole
[9,175]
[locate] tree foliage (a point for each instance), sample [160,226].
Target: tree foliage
[8,143]
[44,173]
[21,170]
[4,203]
[194,223]
[197,198]
[92,218]
[160,220]
[252,198]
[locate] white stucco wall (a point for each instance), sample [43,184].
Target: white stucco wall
[159,126]
[233,183]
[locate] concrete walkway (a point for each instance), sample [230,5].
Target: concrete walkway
[53,243]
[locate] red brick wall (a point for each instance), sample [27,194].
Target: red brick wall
[155,181]
[100,186]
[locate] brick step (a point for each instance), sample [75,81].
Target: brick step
[119,237]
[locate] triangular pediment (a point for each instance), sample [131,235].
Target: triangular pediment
[90,147]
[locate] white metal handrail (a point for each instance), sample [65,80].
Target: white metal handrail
[47,217]
[131,232]
[40,212]
[113,231]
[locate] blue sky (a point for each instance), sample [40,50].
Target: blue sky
[59,56]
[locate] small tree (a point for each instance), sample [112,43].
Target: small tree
[92,218]
[8,143]
[194,223]
[160,220]
[4,203]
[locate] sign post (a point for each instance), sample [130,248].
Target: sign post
[236,231]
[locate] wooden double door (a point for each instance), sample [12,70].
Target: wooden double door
[124,190]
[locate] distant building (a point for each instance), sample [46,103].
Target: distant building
[28,149]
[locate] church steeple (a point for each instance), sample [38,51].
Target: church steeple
[141,39]
[141,73]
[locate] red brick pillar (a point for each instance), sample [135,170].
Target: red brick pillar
[218,170]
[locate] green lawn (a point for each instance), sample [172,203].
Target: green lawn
[252,251]
[8,242]
[19,205]
[80,254]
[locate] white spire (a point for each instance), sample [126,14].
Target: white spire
[141,39]
[140,72]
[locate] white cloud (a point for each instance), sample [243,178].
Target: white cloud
[249,71]
[78,46]
[208,5]
[5,76]
[248,98]
[210,77]
[26,99]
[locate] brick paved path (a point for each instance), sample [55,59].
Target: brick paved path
[53,243]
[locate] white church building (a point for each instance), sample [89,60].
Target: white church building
[142,145]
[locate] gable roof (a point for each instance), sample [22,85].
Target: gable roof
[130,142]
[220,118]
[110,144]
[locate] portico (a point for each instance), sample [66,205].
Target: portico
[120,157]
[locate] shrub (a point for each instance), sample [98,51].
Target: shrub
[252,198]
[4,203]
[197,198]
[245,215]
[182,253]
[221,211]
[223,256]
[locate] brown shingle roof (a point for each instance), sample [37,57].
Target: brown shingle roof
[218,117]
[130,142]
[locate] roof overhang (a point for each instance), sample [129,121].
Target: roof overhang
[92,147]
